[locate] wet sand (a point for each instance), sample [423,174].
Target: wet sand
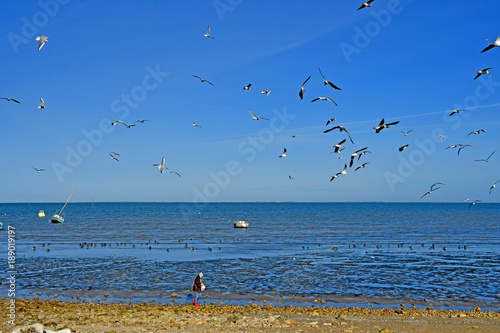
[211,317]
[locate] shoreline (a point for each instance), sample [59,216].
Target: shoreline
[130,317]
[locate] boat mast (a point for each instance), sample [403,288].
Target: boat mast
[67,201]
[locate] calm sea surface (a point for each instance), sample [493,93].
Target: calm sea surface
[428,254]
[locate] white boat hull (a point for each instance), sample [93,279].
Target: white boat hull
[241,224]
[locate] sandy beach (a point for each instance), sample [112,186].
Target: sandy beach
[149,317]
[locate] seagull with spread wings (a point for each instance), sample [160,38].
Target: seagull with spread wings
[338,146]
[326,82]
[343,172]
[455,111]
[303,89]
[11,99]
[41,41]
[463,147]
[403,147]
[42,104]
[329,121]
[284,153]
[477,132]
[405,133]
[356,153]
[161,166]
[494,185]
[113,157]
[383,125]
[208,33]
[175,173]
[266,92]
[474,203]
[196,125]
[247,87]
[366,4]
[203,80]
[324,99]
[117,122]
[254,117]
[141,121]
[487,159]
[38,170]
[492,45]
[484,71]
[341,129]
[430,191]
[361,166]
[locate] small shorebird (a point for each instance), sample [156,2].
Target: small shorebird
[492,45]
[113,157]
[484,71]
[247,87]
[42,104]
[254,117]
[41,41]
[366,4]
[208,33]
[403,147]
[342,129]
[487,159]
[325,81]
[324,99]
[477,132]
[284,153]
[382,125]
[11,99]
[161,166]
[38,170]
[266,92]
[302,89]
[203,80]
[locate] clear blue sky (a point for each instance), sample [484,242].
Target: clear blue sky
[412,61]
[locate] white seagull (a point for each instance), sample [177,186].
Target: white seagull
[40,170]
[175,172]
[463,147]
[284,153]
[161,166]
[383,125]
[492,45]
[329,121]
[203,80]
[338,146]
[41,41]
[343,172]
[494,185]
[477,132]
[116,122]
[128,126]
[290,177]
[342,129]
[302,89]
[113,157]
[141,121]
[455,111]
[366,4]
[430,191]
[486,160]
[353,155]
[42,104]
[362,166]
[324,99]
[208,33]
[325,81]
[196,125]
[254,117]
[266,92]
[484,71]
[405,133]
[11,99]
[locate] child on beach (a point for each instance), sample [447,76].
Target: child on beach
[198,287]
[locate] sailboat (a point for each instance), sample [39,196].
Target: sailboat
[59,216]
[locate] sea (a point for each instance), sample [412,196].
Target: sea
[439,255]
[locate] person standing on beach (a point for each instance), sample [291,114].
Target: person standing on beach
[198,287]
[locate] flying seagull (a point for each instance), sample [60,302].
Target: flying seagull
[203,80]
[341,128]
[467,199]
[328,82]
[42,104]
[435,184]
[492,45]
[405,133]
[430,191]
[141,121]
[343,172]
[473,203]
[463,147]
[128,126]
[329,121]
[247,87]
[477,132]
[266,92]
[403,147]
[382,125]
[115,153]
[113,157]
[484,71]
[196,125]
[366,4]
[488,159]
[284,153]
[455,111]
[324,99]
[116,122]
[302,89]
[338,146]
[11,99]
[175,172]
[38,170]
[363,152]
[254,117]
[161,166]
[361,166]
[454,146]
[290,177]
[356,153]
[441,136]
[41,41]
[208,33]
[494,185]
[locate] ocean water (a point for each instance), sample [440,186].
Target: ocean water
[382,254]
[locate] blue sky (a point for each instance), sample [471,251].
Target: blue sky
[412,61]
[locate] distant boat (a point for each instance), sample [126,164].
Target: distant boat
[59,216]
[41,213]
[241,224]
